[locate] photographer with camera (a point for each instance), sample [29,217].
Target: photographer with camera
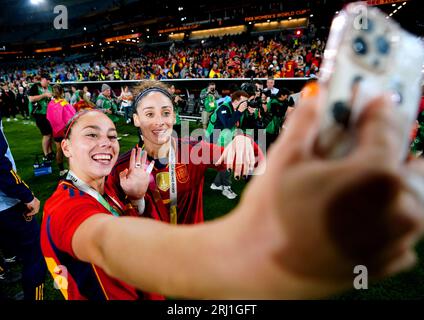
[255,115]
[179,105]
[208,98]
[276,108]
[223,122]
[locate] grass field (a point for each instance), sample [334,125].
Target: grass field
[24,140]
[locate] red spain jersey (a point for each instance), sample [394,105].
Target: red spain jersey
[193,159]
[290,68]
[64,212]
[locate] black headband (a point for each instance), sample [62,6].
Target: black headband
[142,94]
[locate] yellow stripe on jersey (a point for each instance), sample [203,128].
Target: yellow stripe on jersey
[63,287]
[100,282]
[15,176]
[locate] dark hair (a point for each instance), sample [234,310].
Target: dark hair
[239,93]
[57,91]
[146,87]
[45,76]
[283,92]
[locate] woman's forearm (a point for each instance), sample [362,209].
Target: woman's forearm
[219,259]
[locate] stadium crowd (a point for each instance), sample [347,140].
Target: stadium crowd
[278,57]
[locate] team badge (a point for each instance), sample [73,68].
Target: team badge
[182,173]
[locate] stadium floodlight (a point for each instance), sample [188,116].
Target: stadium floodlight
[36,2]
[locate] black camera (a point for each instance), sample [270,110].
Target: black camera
[255,103]
[249,88]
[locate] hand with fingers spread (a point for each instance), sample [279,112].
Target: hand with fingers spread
[135,180]
[239,156]
[328,216]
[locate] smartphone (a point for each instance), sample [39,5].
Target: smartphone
[366,55]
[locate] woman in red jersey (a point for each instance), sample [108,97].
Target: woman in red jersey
[178,200]
[274,244]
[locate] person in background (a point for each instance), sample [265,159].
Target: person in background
[178,103]
[208,98]
[59,112]
[22,103]
[8,102]
[126,98]
[83,102]
[39,96]
[106,102]
[74,94]
[225,120]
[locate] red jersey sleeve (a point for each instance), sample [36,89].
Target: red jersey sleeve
[67,215]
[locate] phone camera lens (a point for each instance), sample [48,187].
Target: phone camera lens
[383,45]
[359,46]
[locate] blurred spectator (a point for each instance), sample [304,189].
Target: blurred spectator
[126,99]
[22,103]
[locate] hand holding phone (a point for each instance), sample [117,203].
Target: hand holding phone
[367,55]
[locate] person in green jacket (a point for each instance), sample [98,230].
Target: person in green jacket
[208,98]
[277,106]
[39,96]
[178,103]
[106,103]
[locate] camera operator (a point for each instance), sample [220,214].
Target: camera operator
[208,98]
[179,105]
[226,118]
[276,108]
[255,114]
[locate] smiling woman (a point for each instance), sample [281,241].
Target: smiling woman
[175,193]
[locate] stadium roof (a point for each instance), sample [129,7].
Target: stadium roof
[24,24]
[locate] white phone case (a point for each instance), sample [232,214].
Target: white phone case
[369,54]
